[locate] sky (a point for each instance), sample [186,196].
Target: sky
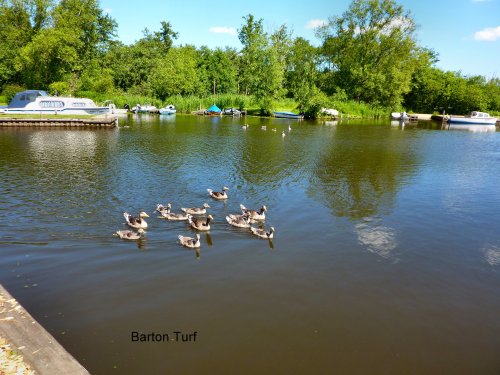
[464,33]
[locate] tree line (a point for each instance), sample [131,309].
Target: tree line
[367,55]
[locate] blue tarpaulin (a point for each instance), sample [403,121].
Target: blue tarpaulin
[214,108]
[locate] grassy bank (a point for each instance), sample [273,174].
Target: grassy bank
[190,103]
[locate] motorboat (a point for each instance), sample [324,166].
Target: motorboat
[168,110]
[288,115]
[474,118]
[232,112]
[38,102]
[144,108]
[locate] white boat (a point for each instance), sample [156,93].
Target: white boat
[232,112]
[38,102]
[474,118]
[168,110]
[145,108]
[329,112]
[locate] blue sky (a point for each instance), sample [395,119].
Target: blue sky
[465,33]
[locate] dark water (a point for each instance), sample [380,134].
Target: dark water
[386,257]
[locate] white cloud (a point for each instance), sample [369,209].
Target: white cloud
[313,24]
[223,30]
[489,34]
[480,1]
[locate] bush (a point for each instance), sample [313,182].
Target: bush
[60,88]
[9,91]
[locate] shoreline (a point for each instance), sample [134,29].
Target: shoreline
[34,347]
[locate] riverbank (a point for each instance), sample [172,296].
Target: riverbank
[25,346]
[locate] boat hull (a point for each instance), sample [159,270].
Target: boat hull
[472,121]
[168,111]
[64,111]
[289,115]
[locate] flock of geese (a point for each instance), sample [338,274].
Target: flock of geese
[264,127]
[196,220]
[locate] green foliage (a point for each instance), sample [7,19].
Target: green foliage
[302,72]
[371,51]
[9,91]
[219,66]
[369,64]
[176,73]
[59,88]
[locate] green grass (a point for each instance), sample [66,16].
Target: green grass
[190,103]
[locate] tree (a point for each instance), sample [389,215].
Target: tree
[132,65]
[219,66]
[371,51]
[302,72]
[20,21]
[254,42]
[80,32]
[176,73]
[262,66]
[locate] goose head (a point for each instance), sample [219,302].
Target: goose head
[142,214]
[205,205]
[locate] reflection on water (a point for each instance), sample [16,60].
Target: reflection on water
[471,128]
[378,239]
[358,179]
[424,200]
[492,255]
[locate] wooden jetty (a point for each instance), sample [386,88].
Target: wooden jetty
[93,122]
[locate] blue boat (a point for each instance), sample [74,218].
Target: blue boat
[213,110]
[288,115]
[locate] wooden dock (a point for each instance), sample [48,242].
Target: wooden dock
[95,122]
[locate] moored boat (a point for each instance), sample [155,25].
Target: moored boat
[474,118]
[168,110]
[213,110]
[39,102]
[232,112]
[288,115]
[146,108]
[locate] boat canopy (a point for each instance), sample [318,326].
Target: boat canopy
[214,108]
[23,98]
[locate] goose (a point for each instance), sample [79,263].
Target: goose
[289,128]
[161,208]
[245,127]
[196,210]
[283,134]
[218,194]
[200,224]
[129,234]
[262,233]
[191,242]
[263,127]
[166,214]
[273,129]
[136,222]
[255,215]
[240,221]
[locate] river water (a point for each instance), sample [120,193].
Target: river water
[386,256]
